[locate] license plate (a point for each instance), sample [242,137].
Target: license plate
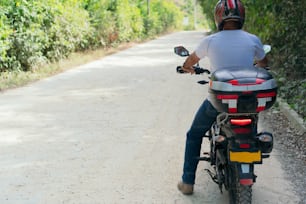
[245,157]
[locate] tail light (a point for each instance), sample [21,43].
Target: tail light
[241,122]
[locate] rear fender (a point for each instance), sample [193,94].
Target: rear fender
[246,174]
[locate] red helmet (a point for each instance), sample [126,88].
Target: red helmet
[229,10]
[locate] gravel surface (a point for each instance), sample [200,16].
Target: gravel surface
[291,144]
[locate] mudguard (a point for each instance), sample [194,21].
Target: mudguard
[246,174]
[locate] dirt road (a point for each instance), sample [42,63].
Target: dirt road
[113,131]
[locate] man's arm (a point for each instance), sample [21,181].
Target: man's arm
[189,62]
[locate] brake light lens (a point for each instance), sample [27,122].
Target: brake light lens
[241,122]
[235,82]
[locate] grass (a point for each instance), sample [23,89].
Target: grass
[14,79]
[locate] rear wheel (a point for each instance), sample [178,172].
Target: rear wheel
[239,194]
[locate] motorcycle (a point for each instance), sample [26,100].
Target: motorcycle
[235,145]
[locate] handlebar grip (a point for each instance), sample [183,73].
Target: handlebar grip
[199,70]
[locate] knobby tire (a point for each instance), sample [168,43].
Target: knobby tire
[239,194]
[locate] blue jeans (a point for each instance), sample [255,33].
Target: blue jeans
[202,122]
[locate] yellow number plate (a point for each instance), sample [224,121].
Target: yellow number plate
[245,157]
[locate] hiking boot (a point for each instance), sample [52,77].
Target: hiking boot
[185,188]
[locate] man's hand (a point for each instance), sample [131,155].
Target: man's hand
[190,61]
[188,69]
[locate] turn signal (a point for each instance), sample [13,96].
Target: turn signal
[265,142]
[265,138]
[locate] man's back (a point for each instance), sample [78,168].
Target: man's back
[231,48]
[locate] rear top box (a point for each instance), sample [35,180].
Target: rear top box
[242,90]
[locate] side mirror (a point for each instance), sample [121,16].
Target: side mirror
[181,51]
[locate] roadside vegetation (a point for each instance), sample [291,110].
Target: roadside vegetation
[280,23]
[37,37]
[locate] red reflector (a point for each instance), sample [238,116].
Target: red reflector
[259,81]
[220,97]
[265,95]
[246,182]
[234,82]
[260,108]
[232,110]
[244,146]
[241,122]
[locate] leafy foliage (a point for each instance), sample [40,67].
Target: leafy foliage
[5,43]
[42,30]
[37,32]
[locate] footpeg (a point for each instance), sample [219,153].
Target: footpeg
[204,159]
[208,136]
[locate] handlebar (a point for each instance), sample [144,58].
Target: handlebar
[197,69]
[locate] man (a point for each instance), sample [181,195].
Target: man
[230,47]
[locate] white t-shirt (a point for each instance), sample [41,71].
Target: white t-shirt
[231,48]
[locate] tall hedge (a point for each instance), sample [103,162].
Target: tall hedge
[42,31]
[34,32]
[5,43]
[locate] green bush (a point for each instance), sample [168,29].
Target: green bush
[208,10]
[129,21]
[163,16]
[169,15]
[103,20]
[34,32]
[42,31]
[70,30]
[27,38]
[5,43]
